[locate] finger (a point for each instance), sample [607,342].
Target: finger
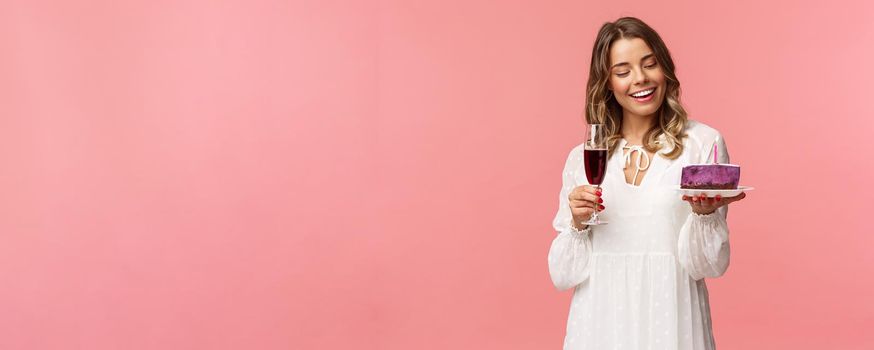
[576,194]
[587,204]
[592,189]
[584,189]
[581,204]
[582,213]
[703,205]
[695,204]
[582,195]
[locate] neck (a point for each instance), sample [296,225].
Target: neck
[635,126]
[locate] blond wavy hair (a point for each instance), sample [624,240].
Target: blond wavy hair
[601,108]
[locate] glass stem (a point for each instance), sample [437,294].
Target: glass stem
[595,214]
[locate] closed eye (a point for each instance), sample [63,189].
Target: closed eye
[623,74]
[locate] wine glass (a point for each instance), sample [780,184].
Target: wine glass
[595,159]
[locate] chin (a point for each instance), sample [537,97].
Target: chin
[646,111]
[651,109]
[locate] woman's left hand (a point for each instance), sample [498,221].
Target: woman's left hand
[704,205]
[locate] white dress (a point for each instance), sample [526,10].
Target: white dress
[639,280]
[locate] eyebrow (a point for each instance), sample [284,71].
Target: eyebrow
[626,63]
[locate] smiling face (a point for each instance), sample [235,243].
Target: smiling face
[636,81]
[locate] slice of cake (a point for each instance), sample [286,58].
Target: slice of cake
[710,176]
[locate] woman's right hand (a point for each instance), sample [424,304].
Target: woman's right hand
[582,201]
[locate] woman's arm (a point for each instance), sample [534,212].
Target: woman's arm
[703,246]
[569,254]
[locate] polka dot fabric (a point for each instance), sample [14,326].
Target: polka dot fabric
[639,281]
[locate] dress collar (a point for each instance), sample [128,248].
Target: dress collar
[661,139]
[656,169]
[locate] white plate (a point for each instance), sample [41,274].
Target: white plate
[713,193]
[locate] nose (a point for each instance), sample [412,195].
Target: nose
[640,77]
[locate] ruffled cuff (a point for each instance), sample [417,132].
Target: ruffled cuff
[710,216]
[579,234]
[569,257]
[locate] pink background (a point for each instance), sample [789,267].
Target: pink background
[383,175]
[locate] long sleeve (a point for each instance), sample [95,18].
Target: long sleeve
[569,254]
[703,246]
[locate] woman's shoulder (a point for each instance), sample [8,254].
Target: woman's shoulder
[576,153]
[700,134]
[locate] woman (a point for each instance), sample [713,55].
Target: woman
[639,280]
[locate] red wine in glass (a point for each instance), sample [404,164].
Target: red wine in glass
[596,164]
[595,158]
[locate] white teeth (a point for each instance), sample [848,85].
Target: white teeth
[644,93]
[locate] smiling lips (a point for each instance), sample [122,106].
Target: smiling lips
[643,95]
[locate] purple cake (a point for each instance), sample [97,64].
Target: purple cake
[710,176]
